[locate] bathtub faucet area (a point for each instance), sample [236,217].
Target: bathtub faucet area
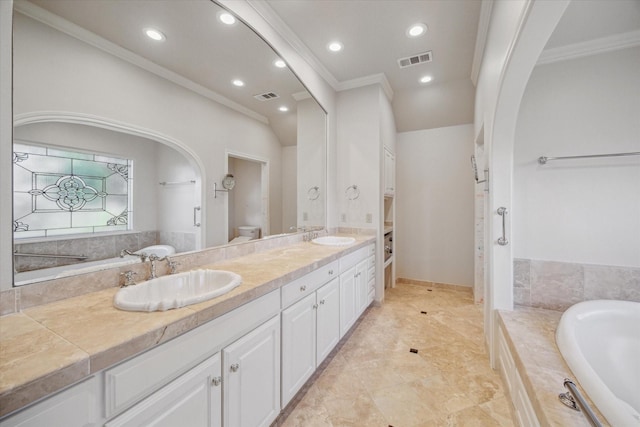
[600,341]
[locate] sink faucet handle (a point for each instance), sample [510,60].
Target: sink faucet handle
[128,278]
[173,265]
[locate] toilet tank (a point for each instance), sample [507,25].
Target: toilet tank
[249,231]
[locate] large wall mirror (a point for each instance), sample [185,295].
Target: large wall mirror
[194,136]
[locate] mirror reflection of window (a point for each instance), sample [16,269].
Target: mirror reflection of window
[61,192]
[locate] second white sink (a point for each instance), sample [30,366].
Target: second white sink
[333,240]
[176,290]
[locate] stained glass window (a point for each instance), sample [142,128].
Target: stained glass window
[58,191]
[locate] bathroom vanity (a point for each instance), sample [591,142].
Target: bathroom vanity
[236,360]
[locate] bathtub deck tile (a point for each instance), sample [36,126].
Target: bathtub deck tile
[531,336]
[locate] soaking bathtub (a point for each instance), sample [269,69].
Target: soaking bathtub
[600,341]
[27,277]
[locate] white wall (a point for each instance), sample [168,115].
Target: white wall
[434,205]
[583,211]
[289,188]
[359,148]
[311,154]
[6,142]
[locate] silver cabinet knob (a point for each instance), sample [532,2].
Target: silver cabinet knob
[315,306]
[216,381]
[303,288]
[235,367]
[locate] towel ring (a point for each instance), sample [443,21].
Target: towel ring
[313,193]
[352,192]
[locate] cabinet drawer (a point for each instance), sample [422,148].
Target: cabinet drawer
[371,263]
[371,249]
[348,261]
[371,274]
[137,378]
[305,285]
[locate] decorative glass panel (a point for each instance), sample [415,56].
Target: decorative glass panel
[58,191]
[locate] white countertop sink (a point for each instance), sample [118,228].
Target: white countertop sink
[176,290]
[333,240]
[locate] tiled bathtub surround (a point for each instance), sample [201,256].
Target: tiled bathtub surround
[558,285]
[95,247]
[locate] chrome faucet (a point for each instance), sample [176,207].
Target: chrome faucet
[128,278]
[124,252]
[173,265]
[310,233]
[153,258]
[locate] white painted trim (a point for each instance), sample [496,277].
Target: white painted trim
[122,127]
[372,79]
[6,144]
[590,47]
[270,16]
[73,30]
[299,96]
[481,39]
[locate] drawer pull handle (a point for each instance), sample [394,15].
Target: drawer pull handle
[216,381]
[330,272]
[235,367]
[303,288]
[315,306]
[321,301]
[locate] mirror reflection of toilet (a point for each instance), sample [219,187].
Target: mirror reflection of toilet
[246,233]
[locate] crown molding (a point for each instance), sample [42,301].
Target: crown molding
[77,32]
[481,39]
[269,15]
[591,47]
[379,79]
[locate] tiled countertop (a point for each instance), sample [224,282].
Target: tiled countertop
[46,348]
[531,338]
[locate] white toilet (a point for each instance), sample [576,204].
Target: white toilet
[246,233]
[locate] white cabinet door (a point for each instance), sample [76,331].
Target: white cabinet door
[389,173]
[77,406]
[347,300]
[362,290]
[327,319]
[251,377]
[193,399]
[298,346]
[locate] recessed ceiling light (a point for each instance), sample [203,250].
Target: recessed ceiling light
[335,46]
[416,30]
[283,109]
[154,34]
[238,82]
[280,63]
[426,79]
[226,18]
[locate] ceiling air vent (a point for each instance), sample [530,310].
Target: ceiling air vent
[415,59]
[266,96]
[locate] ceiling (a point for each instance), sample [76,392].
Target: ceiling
[199,52]
[587,20]
[373,33]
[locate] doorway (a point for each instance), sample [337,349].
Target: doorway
[248,202]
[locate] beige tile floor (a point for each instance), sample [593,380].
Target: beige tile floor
[374,379]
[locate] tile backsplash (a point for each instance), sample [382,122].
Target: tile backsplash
[558,285]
